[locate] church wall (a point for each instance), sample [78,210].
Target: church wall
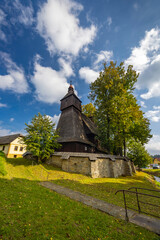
[55,161]
[77,165]
[94,167]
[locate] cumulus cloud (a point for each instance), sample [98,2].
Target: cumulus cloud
[88,74]
[54,119]
[66,66]
[156,107]
[153,146]
[153,115]
[91,74]
[142,103]
[58,24]
[2,23]
[103,56]
[150,79]
[15,79]
[146,60]
[51,85]
[24,14]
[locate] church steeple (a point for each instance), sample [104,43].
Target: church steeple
[70,100]
[76,131]
[70,87]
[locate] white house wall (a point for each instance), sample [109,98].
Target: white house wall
[17,142]
[5,149]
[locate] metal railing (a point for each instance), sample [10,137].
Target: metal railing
[138,201]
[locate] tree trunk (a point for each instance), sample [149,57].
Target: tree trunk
[108,134]
[124,143]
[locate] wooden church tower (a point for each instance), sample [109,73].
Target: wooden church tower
[77,132]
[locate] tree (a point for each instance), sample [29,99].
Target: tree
[118,115]
[88,110]
[138,154]
[41,138]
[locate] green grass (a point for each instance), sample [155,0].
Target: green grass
[154,172]
[2,164]
[29,211]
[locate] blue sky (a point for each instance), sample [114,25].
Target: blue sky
[45,44]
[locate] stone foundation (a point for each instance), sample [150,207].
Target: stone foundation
[94,165]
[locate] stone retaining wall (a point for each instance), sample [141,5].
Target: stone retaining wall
[94,165]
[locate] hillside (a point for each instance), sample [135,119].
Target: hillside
[30,211]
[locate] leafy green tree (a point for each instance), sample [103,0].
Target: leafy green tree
[138,154]
[118,115]
[41,138]
[89,110]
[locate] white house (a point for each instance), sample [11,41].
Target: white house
[12,145]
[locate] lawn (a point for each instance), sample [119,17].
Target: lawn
[29,211]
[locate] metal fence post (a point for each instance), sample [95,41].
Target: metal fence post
[127,219]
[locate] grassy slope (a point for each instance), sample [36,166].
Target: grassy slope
[2,164]
[154,172]
[29,211]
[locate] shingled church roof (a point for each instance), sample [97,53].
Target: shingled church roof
[73,126]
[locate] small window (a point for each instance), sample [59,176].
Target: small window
[15,156]
[3,148]
[21,149]
[15,148]
[85,148]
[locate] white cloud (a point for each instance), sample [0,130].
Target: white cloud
[3,105]
[146,60]
[58,24]
[103,56]
[11,119]
[91,74]
[24,13]
[150,79]
[142,103]
[4,132]
[156,107]
[15,79]
[54,119]
[2,23]
[153,115]
[109,21]
[142,56]
[66,67]
[153,146]
[88,74]
[51,85]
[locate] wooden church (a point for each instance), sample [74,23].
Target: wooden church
[77,132]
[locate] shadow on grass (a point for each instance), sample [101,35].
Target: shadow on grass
[20,161]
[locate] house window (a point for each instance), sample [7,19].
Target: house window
[15,148]
[3,148]
[85,148]
[15,156]
[21,149]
